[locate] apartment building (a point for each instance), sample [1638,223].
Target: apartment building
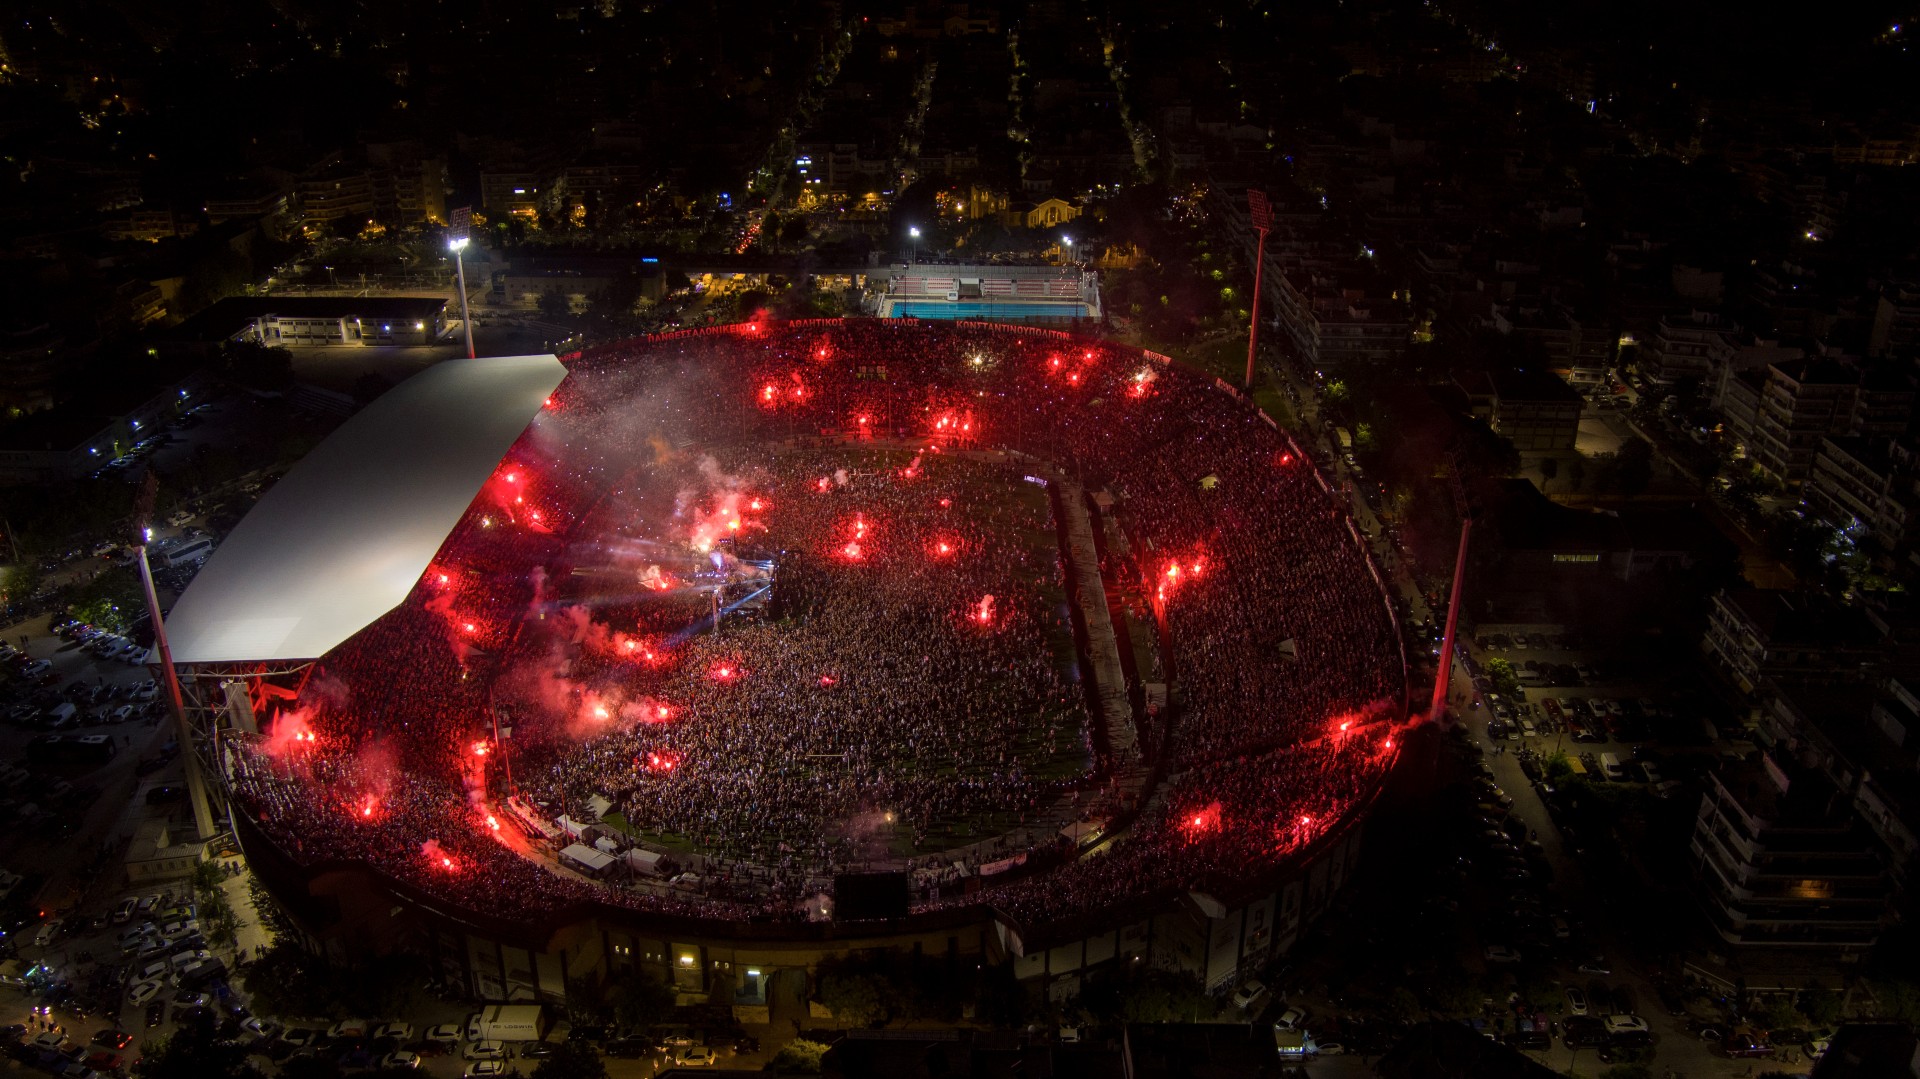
[1783,863]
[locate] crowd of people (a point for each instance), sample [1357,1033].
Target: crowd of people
[892,670]
[901,685]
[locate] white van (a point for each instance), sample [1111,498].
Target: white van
[60,715]
[1610,764]
[191,551]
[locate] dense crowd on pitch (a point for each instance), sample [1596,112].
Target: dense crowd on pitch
[879,701]
[1282,648]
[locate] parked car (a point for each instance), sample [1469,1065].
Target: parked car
[1621,1024]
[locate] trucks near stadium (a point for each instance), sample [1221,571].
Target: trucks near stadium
[508,1023]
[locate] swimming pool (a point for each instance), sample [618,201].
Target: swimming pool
[1010,311]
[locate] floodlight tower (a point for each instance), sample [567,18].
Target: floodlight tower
[1260,211]
[1443,677]
[196,782]
[457,245]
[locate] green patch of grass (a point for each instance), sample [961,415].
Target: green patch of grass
[1226,359]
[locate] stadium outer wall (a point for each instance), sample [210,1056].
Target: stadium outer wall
[347,911]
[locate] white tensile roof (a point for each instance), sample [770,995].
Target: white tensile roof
[345,535]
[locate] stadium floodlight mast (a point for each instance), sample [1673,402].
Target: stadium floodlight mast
[1260,212]
[457,245]
[203,823]
[914,232]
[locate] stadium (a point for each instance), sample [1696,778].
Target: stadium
[719,652]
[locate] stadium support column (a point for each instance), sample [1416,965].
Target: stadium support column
[1443,677]
[1260,212]
[196,782]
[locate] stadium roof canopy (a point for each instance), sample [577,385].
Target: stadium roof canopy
[344,536]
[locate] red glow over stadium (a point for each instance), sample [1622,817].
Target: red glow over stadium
[645,489]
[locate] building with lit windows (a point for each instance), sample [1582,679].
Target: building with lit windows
[1783,862]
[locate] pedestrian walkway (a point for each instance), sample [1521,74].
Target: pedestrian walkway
[1103,649]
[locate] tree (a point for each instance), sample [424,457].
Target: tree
[640,1000]
[554,305]
[1557,767]
[1820,1006]
[20,580]
[1504,679]
[854,997]
[572,1060]
[1633,468]
[114,598]
[255,365]
[798,1056]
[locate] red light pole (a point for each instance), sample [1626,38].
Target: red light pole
[1443,677]
[1261,213]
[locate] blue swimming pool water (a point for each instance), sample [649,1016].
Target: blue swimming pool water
[1011,311]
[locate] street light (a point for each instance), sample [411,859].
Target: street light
[1068,240]
[915,233]
[457,245]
